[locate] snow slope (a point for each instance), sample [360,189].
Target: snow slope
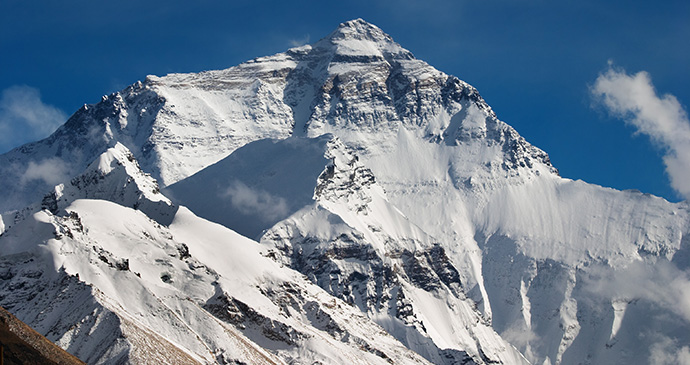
[110,284]
[337,227]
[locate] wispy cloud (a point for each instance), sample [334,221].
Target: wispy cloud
[24,117]
[299,42]
[254,202]
[634,99]
[667,352]
[52,171]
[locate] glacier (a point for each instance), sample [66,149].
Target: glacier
[341,201]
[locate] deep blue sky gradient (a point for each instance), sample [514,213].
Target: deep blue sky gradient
[532,60]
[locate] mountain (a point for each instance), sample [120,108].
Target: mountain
[350,203]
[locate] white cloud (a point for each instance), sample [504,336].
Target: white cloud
[634,99]
[520,336]
[667,352]
[52,171]
[24,117]
[254,202]
[660,283]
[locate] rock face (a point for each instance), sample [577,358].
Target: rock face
[390,215]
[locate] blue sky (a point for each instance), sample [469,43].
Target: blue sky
[535,62]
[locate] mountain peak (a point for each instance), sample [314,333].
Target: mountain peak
[360,29]
[355,23]
[115,176]
[360,38]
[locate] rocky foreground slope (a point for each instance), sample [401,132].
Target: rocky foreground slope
[19,344]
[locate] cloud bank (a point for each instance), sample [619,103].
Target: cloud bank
[24,117]
[634,99]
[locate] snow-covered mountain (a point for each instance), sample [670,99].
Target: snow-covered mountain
[350,203]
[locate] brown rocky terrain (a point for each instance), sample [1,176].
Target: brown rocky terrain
[20,344]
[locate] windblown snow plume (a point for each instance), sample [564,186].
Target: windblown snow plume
[634,99]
